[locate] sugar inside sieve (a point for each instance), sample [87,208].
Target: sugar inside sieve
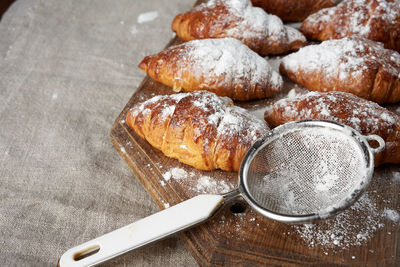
[307,170]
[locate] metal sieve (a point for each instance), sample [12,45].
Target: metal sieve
[298,172]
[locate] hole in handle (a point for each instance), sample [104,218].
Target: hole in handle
[376,143]
[86,252]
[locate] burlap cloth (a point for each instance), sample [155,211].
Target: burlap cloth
[67,68]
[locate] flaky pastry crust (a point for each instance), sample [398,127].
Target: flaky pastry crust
[199,129]
[365,116]
[353,64]
[262,32]
[377,20]
[223,66]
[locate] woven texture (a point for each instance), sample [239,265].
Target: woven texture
[67,68]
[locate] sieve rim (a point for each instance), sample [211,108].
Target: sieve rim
[360,139]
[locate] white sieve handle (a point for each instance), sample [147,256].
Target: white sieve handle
[157,226]
[377,138]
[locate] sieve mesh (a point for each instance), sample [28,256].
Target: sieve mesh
[306,171]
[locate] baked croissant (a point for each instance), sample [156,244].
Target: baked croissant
[293,10]
[223,66]
[199,129]
[262,32]
[377,20]
[365,116]
[353,64]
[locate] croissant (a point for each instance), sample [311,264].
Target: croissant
[377,20]
[293,10]
[352,64]
[365,116]
[223,66]
[238,19]
[199,129]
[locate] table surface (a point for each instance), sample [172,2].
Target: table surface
[67,68]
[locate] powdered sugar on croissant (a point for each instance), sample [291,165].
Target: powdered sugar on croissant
[352,64]
[365,116]
[378,20]
[262,32]
[224,66]
[199,129]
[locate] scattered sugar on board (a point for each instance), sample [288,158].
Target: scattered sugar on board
[352,227]
[208,185]
[166,204]
[201,183]
[175,173]
[396,176]
[147,17]
[391,215]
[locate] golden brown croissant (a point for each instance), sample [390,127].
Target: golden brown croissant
[377,20]
[260,31]
[223,66]
[353,64]
[365,116]
[293,10]
[199,129]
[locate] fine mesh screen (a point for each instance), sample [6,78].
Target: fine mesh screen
[306,171]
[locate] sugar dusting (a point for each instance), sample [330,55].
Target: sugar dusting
[252,22]
[200,184]
[218,116]
[147,17]
[314,170]
[391,214]
[357,17]
[175,173]
[347,58]
[350,228]
[226,61]
[364,116]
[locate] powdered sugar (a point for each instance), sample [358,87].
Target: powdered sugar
[229,61]
[364,116]
[396,176]
[238,123]
[358,17]
[228,121]
[208,185]
[352,227]
[253,22]
[198,183]
[147,17]
[392,215]
[346,59]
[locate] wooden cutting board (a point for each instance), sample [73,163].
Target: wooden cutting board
[366,234]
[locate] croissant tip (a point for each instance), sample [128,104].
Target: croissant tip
[175,22]
[143,64]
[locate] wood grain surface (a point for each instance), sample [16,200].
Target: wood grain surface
[239,236]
